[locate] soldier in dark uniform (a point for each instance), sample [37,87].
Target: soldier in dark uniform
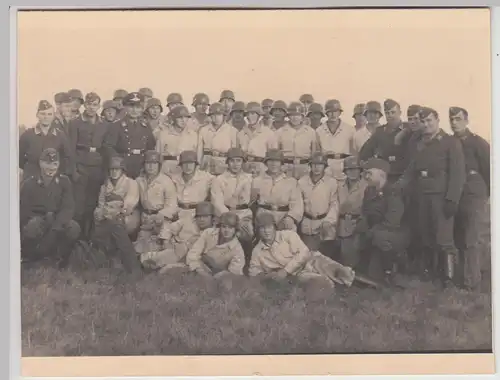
[86,136]
[130,137]
[109,111]
[76,101]
[438,173]
[46,212]
[237,115]
[473,201]
[383,237]
[46,134]
[381,144]
[266,105]
[118,97]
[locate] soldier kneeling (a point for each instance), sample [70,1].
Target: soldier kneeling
[46,211]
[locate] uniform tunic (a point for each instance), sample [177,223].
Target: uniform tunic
[320,206]
[255,142]
[213,145]
[190,193]
[198,120]
[208,254]
[289,253]
[130,139]
[86,138]
[280,196]
[336,146]
[171,142]
[470,216]
[33,142]
[359,139]
[230,192]
[298,144]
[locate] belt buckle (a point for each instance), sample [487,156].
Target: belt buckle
[136,151]
[296,161]
[424,173]
[392,158]
[471,172]
[336,156]
[215,153]
[274,208]
[92,149]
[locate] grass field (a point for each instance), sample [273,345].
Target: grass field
[106,313]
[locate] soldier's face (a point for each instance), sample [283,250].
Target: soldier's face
[237,115]
[203,221]
[353,174]
[66,110]
[217,118]
[135,110]
[360,119]
[227,232]
[119,102]
[374,176]
[252,118]
[49,169]
[333,115]
[296,119]
[267,233]
[315,117]
[109,114]
[430,124]
[414,121]
[188,167]
[171,106]
[76,104]
[92,108]
[152,168]
[458,123]
[317,169]
[154,112]
[181,122]
[274,166]
[373,117]
[279,114]
[46,117]
[266,110]
[235,164]
[228,103]
[115,173]
[201,108]
[393,116]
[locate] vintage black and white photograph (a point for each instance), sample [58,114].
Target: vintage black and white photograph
[245,182]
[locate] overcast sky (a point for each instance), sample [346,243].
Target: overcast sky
[433,57]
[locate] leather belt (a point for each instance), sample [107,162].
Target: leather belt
[317,217]
[275,208]
[169,158]
[214,153]
[337,156]
[239,207]
[187,206]
[296,161]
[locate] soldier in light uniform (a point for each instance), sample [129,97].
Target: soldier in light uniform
[231,190]
[278,113]
[117,216]
[335,138]
[199,117]
[218,252]
[255,139]
[298,141]
[438,170]
[131,137]
[315,115]
[176,138]
[214,141]
[351,193]
[266,105]
[76,100]
[46,212]
[158,199]
[306,100]
[227,99]
[45,134]
[192,184]
[277,193]
[109,111]
[147,94]
[152,114]
[320,195]
[361,133]
[472,203]
[237,115]
[118,97]
[281,254]
[178,239]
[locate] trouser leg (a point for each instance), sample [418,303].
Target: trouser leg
[124,248]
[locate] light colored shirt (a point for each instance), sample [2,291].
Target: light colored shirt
[339,142]
[256,142]
[279,191]
[360,137]
[171,142]
[218,257]
[219,140]
[298,142]
[125,187]
[196,190]
[319,198]
[231,190]
[182,231]
[286,252]
[159,194]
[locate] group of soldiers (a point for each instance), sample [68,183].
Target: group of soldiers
[259,188]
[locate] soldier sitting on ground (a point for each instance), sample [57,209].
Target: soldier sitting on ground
[46,212]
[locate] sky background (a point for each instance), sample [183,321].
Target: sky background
[438,58]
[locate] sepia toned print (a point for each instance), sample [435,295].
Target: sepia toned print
[229,183]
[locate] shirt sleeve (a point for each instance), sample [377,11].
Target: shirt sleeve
[368,149]
[456,175]
[193,258]
[237,261]
[67,206]
[296,203]
[217,196]
[131,199]
[300,253]
[255,267]
[333,211]
[169,199]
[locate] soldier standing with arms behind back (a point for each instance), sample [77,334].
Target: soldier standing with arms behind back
[473,201]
